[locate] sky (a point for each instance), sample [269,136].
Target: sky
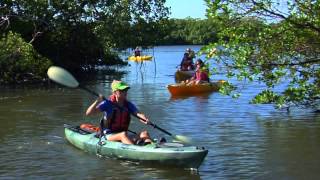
[187,8]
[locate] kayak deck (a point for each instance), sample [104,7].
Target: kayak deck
[172,154]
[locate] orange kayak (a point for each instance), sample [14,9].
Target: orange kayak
[182,89]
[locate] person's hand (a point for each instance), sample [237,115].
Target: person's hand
[144,119]
[100,98]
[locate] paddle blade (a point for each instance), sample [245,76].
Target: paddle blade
[183,139]
[62,76]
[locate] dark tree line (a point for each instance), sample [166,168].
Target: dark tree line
[189,31]
[79,35]
[76,35]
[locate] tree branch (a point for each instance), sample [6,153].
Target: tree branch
[298,25]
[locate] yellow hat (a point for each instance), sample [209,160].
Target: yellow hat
[118,85]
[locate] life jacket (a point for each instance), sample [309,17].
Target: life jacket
[202,74]
[186,64]
[137,53]
[119,120]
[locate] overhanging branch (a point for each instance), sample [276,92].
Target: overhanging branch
[295,23]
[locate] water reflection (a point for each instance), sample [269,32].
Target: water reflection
[196,96]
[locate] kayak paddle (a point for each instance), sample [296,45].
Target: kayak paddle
[63,77]
[177,137]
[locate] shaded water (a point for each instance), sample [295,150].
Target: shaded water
[245,141]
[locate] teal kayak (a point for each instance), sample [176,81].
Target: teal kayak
[172,154]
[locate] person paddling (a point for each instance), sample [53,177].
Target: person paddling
[117,110]
[137,52]
[186,63]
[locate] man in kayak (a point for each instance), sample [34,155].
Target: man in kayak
[137,52]
[117,110]
[186,63]
[187,60]
[201,75]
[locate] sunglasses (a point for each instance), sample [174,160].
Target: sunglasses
[124,91]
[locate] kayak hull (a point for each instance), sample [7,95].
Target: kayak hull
[182,89]
[140,58]
[183,75]
[179,156]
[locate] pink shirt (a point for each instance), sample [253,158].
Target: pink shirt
[200,75]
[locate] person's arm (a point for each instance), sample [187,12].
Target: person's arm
[134,111]
[94,108]
[181,63]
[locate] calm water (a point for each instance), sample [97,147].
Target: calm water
[245,141]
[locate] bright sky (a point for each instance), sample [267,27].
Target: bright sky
[183,8]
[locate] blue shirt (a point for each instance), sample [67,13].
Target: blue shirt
[106,107]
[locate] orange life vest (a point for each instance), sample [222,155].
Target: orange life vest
[90,127]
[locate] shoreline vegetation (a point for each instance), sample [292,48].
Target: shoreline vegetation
[262,42]
[80,47]
[23,62]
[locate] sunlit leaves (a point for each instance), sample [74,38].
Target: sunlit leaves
[271,45]
[227,88]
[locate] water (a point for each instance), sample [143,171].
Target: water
[245,141]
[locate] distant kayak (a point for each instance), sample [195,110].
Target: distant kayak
[182,89]
[171,154]
[183,75]
[140,58]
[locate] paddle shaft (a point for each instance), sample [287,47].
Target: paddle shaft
[159,128]
[88,90]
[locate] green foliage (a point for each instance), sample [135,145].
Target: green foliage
[73,47]
[271,45]
[227,88]
[19,62]
[79,34]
